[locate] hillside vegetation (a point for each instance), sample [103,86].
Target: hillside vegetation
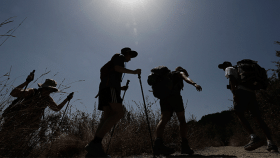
[131,136]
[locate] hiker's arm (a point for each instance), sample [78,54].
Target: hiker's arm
[56,107]
[189,81]
[18,91]
[233,83]
[124,88]
[124,70]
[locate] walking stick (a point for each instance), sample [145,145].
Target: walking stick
[127,82]
[65,109]
[26,87]
[62,115]
[139,76]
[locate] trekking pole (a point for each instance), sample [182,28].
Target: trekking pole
[59,122]
[28,82]
[62,116]
[66,109]
[26,87]
[127,82]
[139,76]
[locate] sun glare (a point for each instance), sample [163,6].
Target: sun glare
[132,3]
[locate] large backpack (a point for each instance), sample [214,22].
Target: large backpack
[160,82]
[16,105]
[252,75]
[108,68]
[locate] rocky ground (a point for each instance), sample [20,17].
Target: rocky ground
[223,152]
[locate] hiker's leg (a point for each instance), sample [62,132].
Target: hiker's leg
[264,127]
[254,109]
[257,116]
[118,113]
[244,122]
[183,124]
[107,111]
[165,117]
[242,102]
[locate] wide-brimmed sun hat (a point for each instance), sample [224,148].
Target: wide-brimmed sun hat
[49,83]
[224,65]
[128,50]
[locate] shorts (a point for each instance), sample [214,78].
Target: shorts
[245,101]
[108,95]
[173,104]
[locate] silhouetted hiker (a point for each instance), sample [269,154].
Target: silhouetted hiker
[167,87]
[109,99]
[23,117]
[243,84]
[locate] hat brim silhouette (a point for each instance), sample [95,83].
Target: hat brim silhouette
[224,65]
[40,85]
[128,50]
[133,54]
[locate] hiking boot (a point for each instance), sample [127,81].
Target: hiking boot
[185,148]
[160,149]
[253,144]
[95,150]
[272,148]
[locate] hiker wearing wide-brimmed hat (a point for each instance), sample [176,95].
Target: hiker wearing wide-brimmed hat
[23,116]
[244,99]
[109,99]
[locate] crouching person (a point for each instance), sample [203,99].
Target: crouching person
[22,118]
[243,86]
[109,99]
[167,87]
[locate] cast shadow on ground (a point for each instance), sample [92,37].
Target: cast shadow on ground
[197,155]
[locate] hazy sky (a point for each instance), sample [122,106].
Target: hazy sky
[76,38]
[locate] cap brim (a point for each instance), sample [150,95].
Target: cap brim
[221,66]
[133,54]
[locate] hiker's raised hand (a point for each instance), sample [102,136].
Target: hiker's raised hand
[30,77]
[70,96]
[198,87]
[124,88]
[137,71]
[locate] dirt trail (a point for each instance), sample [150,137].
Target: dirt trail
[223,152]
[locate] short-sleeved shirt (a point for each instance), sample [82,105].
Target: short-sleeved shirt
[115,78]
[231,71]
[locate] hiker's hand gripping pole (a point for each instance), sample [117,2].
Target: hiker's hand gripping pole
[139,76]
[127,82]
[29,78]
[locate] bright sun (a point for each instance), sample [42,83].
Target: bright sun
[132,3]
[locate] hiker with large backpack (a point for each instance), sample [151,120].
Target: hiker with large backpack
[23,117]
[109,99]
[167,86]
[244,80]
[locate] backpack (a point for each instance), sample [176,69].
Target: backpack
[16,105]
[107,68]
[160,82]
[252,75]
